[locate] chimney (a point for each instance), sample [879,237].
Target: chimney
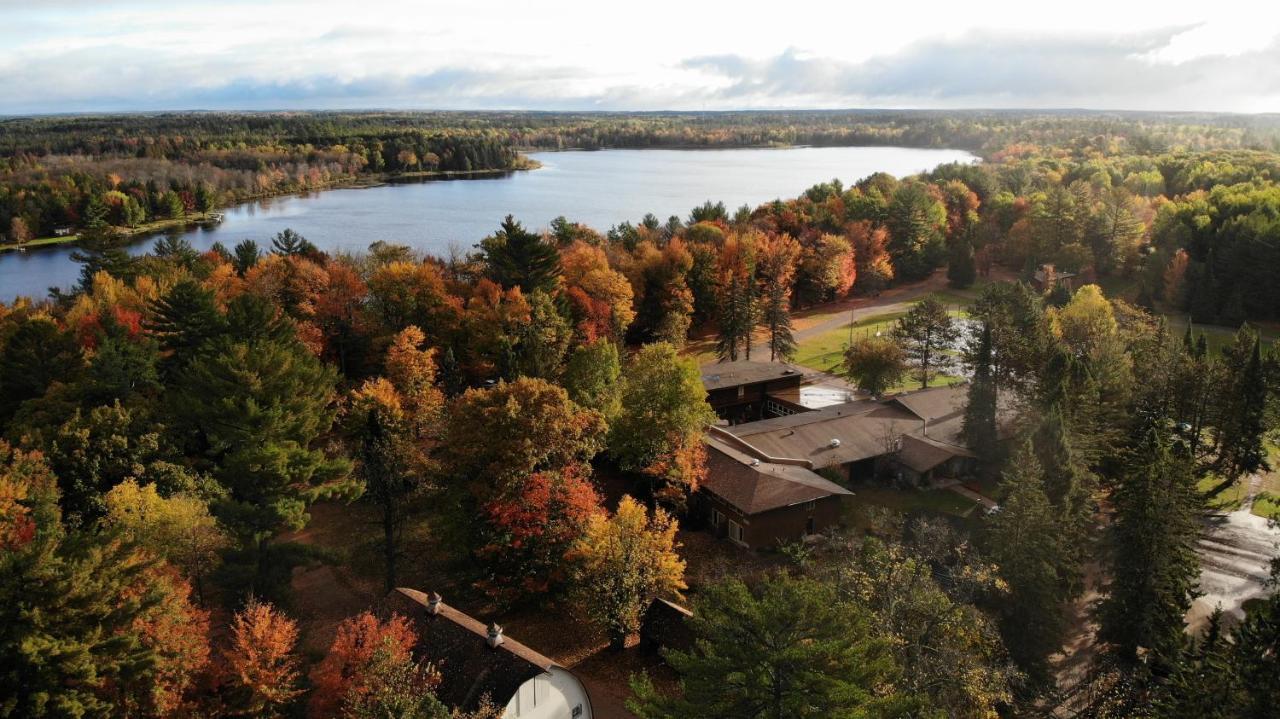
[433,603]
[495,635]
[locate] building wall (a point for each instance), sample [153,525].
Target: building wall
[746,402]
[557,694]
[786,524]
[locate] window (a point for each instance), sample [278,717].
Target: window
[742,391]
[735,532]
[717,518]
[809,526]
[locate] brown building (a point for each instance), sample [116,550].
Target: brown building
[1047,277]
[756,502]
[746,391]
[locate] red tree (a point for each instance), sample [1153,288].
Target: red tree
[528,531]
[342,673]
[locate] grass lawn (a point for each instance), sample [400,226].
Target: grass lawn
[825,351]
[1228,500]
[935,501]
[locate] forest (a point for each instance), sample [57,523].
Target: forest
[171,427]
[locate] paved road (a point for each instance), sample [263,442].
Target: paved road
[1235,560]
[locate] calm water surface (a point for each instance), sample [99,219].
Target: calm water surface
[600,189]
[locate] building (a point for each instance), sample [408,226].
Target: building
[778,464]
[747,391]
[757,501]
[665,625]
[1046,278]
[914,435]
[476,662]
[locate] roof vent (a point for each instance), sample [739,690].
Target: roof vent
[495,636]
[788,371]
[755,463]
[433,604]
[835,442]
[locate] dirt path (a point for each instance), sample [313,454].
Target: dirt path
[847,312]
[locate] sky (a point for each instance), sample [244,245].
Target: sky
[145,55]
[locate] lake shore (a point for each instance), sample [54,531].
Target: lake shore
[195,219]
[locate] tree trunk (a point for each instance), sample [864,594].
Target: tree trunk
[389,544]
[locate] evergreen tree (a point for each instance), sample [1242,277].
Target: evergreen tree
[290,244]
[736,303]
[1024,541]
[246,256]
[925,332]
[776,316]
[787,649]
[32,358]
[175,248]
[961,269]
[99,248]
[979,426]
[1068,484]
[1152,561]
[253,411]
[1203,685]
[1241,420]
[1256,660]
[182,321]
[519,258]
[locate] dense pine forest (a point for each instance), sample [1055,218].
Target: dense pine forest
[524,423]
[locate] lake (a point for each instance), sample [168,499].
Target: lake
[599,189]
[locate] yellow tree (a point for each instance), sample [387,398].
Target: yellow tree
[178,529]
[624,561]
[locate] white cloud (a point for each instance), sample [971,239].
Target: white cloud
[76,55]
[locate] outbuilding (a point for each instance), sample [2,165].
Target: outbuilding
[477,662]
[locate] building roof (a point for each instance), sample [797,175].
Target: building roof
[864,429]
[936,403]
[719,375]
[924,453]
[753,485]
[457,645]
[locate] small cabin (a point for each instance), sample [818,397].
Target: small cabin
[476,661]
[62,231]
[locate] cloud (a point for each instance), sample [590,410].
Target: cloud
[356,64]
[983,68]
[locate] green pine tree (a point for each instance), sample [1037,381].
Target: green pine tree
[1152,563]
[519,258]
[786,649]
[1024,541]
[980,410]
[254,410]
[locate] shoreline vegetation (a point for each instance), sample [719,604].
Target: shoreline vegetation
[358,182]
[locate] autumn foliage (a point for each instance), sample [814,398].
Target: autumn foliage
[261,668]
[342,675]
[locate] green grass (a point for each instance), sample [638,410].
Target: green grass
[825,351]
[936,501]
[1228,500]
